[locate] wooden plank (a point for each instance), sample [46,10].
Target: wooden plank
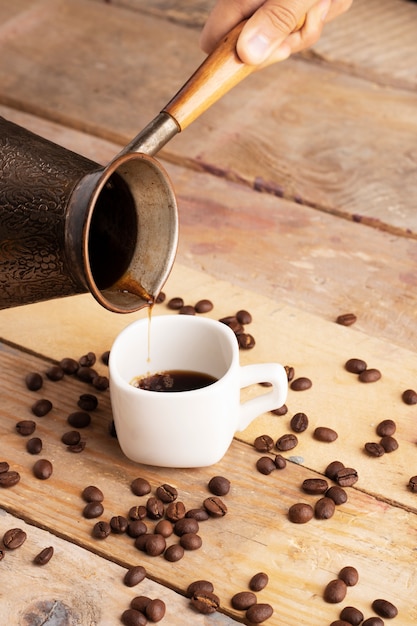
[76,586]
[255,534]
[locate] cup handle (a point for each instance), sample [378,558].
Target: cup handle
[258,373]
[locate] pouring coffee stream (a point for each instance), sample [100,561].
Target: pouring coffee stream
[68,225]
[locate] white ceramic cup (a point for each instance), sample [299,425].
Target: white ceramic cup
[185,428]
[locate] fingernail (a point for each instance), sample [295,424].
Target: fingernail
[257,48]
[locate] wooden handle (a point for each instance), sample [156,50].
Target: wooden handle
[217,75]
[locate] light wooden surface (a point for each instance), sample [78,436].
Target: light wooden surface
[297,201]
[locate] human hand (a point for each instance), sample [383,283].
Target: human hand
[269,34]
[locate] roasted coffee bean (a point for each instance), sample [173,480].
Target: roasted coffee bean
[200,515]
[134,576]
[349,575]
[4,466]
[140,542]
[386,428]
[243,600]
[300,513]
[258,581]
[263,443]
[186,525]
[324,508]
[34,445]
[265,465]
[191,541]
[370,375]
[246,341]
[87,402]
[315,486]
[412,483]
[93,510]
[409,396]
[233,324]
[384,608]
[136,528]
[155,545]
[244,317]
[215,507]
[155,610]
[352,615]
[34,381]
[204,306]
[43,469]
[187,309]
[355,366]
[14,538]
[79,419]
[286,442]
[70,366]
[164,527]
[166,493]
[86,374]
[118,524]
[1,555]
[41,407]
[332,469]
[101,383]
[131,617]
[374,449]
[140,487]
[137,512]
[139,603]
[390,444]
[346,477]
[87,360]
[77,447]
[259,613]
[55,373]
[346,319]
[205,602]
[373,621]
[44,556]
[280,462]
[9,478]
[104,358]
[337,494]
[71,438]
[301,384]
[26,427]
[175,511]
[101,530]
[92,494]
[290,372]
[340,622]
[282,410]
[335,591]
[299,422]
[219,485]
[175,303]
[325,434]
[199,586]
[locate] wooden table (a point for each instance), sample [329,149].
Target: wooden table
[297,195]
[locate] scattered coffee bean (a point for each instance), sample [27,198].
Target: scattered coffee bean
[4,466]
[155,610]
[104,358]
[337,494]
[131,617]
[258,581]
[166,493]
[332,469]
[199,586]
[300,513]
[246,341]
[335,591]
[346,477]
[409,396]
[136,528]
[205,602]
[346,319]
[155,545]
[242,600]
[70,366]
[355,366]
[324,508]
[101,530]
[71,438]
[86,374]
[26,427]
[43,469]
[315,486]
[286,442]
[299,422]
[219,485]
[290,372]
[340,622]
[265,465]
[34,381]
[140,541]
[390,444]
[154,508]
[191,541]
[386,428]
[263,443]
[79,419]
[44,556]
[282,410]
[215,507]
[160,298]
[370,375]
[93,509]
[259,613]
[9,478]
[140,487]
[118,524]
[301,384]
[175,511]
[139,603]
[374,449]
[55,373]
[164,527]
[412,483]
[14,538]
[244,317]
[41,407]
[101,383]
[373,621]
[175,303]
[87,402]
[87,360]
[34,445]
[325,434]
[384,608]
[200,515]
[186,525]
[174,553]
[349,575]
[137,512]
[233,324]
[280,462]
[204,306]
[92,494]
[352,615]
[76,448]
[134,576]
